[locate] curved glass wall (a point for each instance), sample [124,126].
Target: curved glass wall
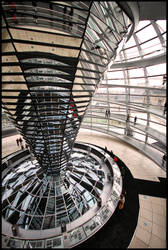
[135,86]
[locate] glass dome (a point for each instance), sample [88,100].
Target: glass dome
[55,55]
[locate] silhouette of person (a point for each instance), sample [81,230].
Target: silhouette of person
[128,116]
[135,119]
[17,141]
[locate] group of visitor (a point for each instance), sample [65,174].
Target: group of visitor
[19,142]
[107,114]
[128,118]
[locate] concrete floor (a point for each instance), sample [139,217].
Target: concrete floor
[9,145]
[151,227]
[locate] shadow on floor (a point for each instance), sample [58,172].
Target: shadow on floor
[152,188]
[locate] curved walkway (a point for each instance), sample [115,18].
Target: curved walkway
[151,152]
[158,135]
[141,62]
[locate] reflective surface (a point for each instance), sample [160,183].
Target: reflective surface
[53,57]
[36,202]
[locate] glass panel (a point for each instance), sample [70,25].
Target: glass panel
[152,47]
[142,24]
[157,69]
[146,34]
[162,25]
[136,72]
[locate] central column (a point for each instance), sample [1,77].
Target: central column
[55,124]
